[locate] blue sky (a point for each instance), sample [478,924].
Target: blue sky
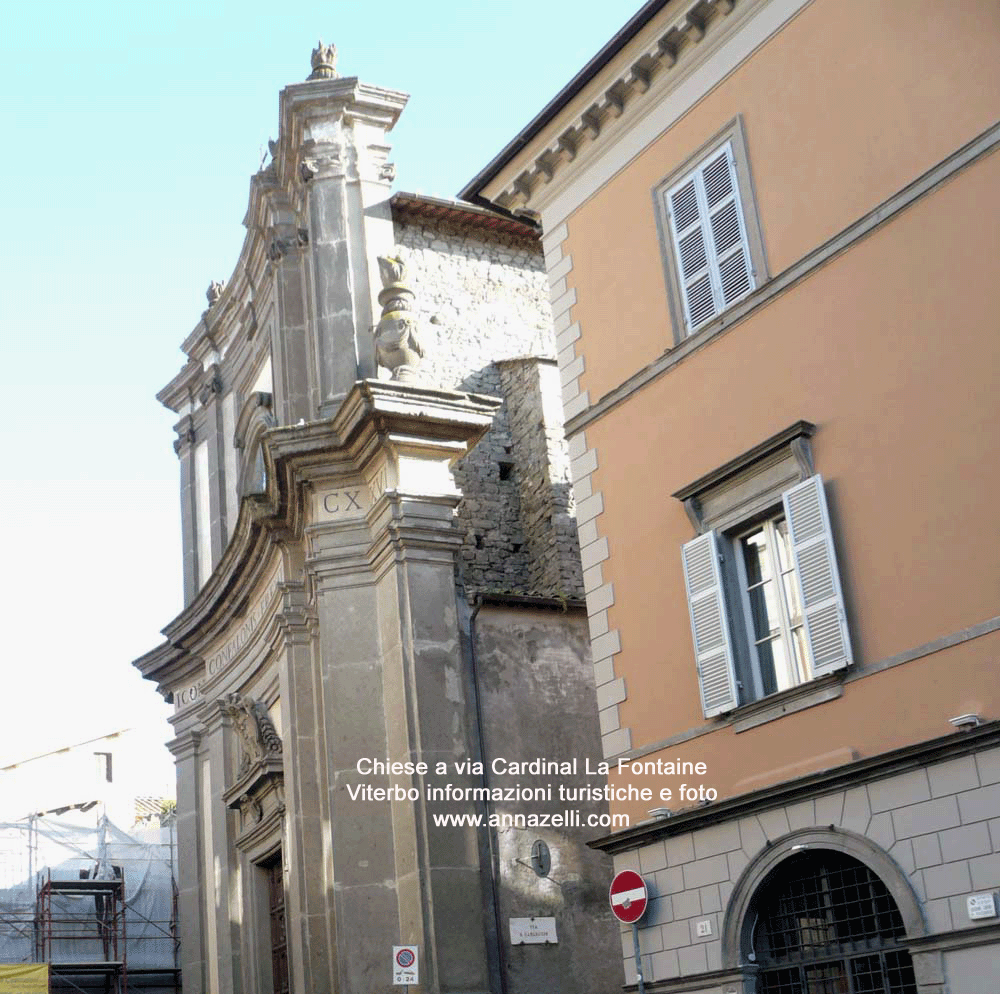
[131,133]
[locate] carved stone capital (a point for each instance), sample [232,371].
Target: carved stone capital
[212,387]
[186,436]
[331,161]
[282,243]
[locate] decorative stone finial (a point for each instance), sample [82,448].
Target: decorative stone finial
[324,62]
[397,346]
[214,292]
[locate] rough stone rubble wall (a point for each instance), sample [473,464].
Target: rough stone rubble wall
[548,511]
[478,302]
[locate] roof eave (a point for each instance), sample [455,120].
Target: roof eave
[472,191]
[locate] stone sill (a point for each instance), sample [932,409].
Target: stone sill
[806,695]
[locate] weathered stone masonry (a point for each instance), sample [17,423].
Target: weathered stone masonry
[364,552]
[485,316]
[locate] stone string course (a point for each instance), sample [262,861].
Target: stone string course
[481,303]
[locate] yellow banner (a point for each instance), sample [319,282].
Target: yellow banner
[24,978]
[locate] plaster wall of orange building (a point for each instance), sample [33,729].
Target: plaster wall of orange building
[849,360]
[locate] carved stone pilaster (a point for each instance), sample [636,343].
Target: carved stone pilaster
[333,167]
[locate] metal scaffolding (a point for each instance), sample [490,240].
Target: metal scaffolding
[102,913]
[83,941]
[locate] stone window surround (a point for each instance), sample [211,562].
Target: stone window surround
[255,418]
[606,642]
[734,135]
[739,493]
[751,483]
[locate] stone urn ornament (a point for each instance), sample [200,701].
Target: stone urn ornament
[397,345]
[324,62]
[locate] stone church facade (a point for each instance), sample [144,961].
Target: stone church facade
[381,567]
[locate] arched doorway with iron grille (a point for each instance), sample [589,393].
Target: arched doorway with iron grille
[823,911]
[824,923]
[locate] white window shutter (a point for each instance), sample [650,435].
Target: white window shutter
[710,239]
[709,625]
[692,250]
[729,237]
[819,580]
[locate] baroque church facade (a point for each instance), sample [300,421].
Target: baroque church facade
[381,567]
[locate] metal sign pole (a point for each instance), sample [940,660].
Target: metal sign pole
[638,958]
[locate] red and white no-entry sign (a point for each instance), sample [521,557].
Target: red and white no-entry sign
[628,896]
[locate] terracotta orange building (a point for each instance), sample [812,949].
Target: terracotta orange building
[772,244]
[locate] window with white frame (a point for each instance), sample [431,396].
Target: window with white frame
[710,233]
[771,599]
[765,603]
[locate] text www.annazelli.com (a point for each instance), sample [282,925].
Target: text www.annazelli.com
[563,819]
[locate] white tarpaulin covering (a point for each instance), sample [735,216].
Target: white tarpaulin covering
[68,847]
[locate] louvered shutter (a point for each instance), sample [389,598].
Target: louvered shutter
[816,566]
[687,221]
[709,625]
[710,239]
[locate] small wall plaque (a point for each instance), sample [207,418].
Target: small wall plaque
[526,931]
[981,906]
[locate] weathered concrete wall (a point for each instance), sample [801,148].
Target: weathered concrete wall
[536,694]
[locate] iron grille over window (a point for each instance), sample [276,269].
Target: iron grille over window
[827,925]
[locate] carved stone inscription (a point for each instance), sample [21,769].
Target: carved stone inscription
[259,611]
[351,500]
[218,660]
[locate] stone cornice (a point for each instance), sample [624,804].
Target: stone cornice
[185,746]
[605,93]
[373,414]
[180,391]
[848,775]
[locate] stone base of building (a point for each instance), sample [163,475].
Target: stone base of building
[763,892]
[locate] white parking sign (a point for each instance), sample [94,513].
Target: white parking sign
[405,966]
